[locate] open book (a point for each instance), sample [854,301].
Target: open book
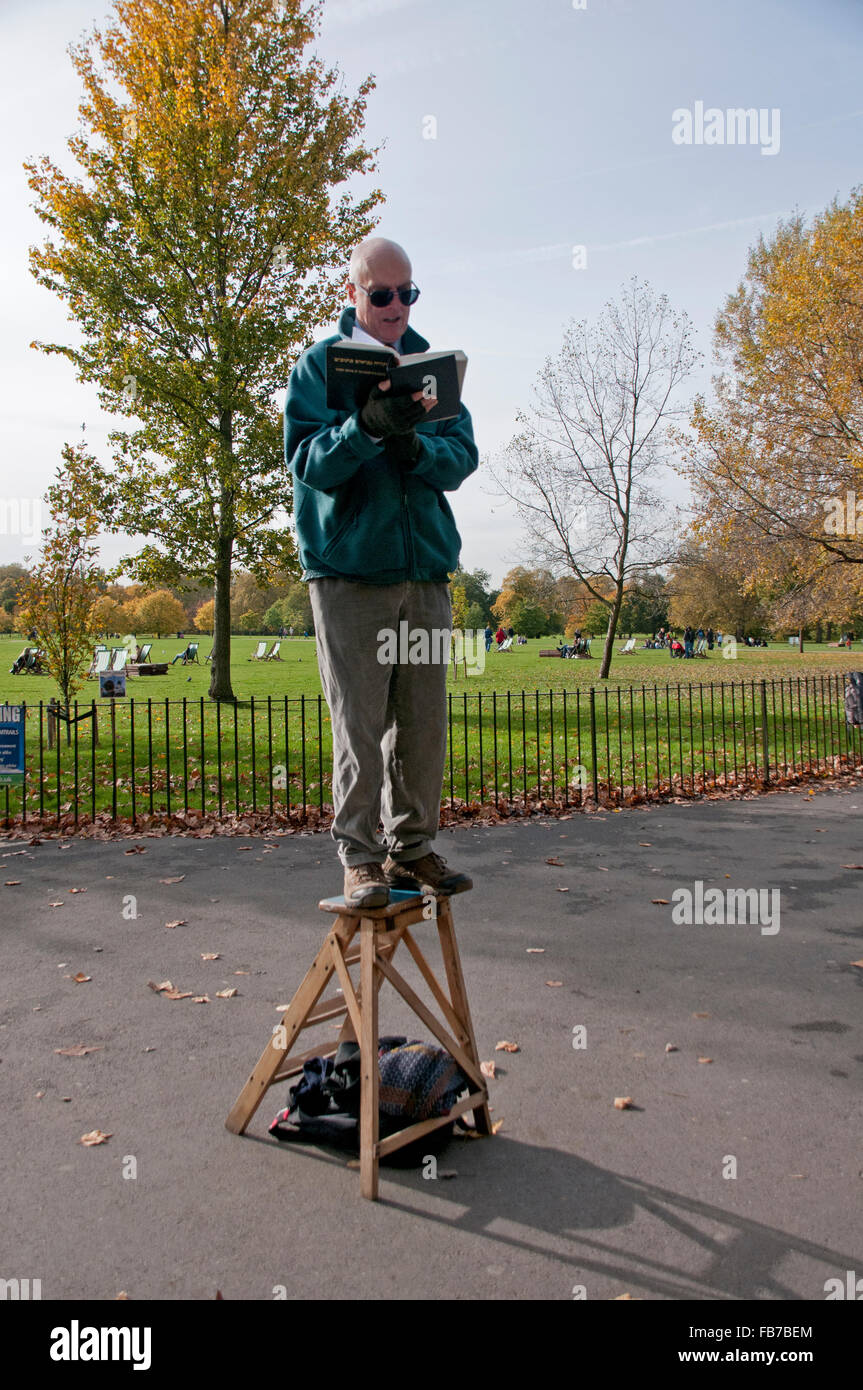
[353,368]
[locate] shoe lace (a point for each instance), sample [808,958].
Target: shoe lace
[368,873]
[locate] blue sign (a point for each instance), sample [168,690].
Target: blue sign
[11,745]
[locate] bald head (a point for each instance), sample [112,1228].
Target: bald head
[380,264]
[373,254]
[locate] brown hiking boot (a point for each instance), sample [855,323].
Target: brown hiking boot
[429,872]
[366,885]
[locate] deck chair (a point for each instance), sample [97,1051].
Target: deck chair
[144,657]
[209,656]
[260,653]
[118,660]
[506,646]
[630,647]
[19,665]
[701,648]
[101,658]
[191,654]
[274,654]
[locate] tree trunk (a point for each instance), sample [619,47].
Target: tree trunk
[799,640]
[609,636]
[220,665]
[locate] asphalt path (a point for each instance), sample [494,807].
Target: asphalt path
[735,1173]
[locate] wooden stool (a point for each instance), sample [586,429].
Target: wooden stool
[381,930]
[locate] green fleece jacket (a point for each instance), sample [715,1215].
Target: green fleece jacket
[358,514]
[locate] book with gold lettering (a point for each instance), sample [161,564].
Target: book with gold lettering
[353,368]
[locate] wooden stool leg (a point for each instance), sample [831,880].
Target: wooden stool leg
[273,1056]
[458,995]
[369,1120]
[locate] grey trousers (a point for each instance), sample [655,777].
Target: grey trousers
[388,716]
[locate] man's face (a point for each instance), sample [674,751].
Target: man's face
[384,272]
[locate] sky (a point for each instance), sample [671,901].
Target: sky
[551,125]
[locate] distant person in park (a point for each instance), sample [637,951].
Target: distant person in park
[489,638]
[500,636]
[710,635]
[378,541]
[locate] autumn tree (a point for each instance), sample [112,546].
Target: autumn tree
[708,587]
[778,454]
[204,616]
[585,468]
[58,596]
[160,612]
[198,254]
[108,614]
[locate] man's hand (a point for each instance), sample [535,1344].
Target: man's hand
[396,415]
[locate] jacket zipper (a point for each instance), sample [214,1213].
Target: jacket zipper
[406,531]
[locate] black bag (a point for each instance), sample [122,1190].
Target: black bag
[417,1082]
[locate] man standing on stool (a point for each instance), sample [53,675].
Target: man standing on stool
[377,542]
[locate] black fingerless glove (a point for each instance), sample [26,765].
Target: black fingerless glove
[386,415]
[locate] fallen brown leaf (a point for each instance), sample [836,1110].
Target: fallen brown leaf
[496,1125]
[12,883]
[540,950]
[201,999]
[858,963]
[226,993]
[701,1015]
[661,902]
[76,890]
[178,879]
[210,955]
[645,844]
[705,1060]
[557,862]
[852,866]
[60,904]
[95,1136]
[166,984]
[178,994]
[488,1069]
[554,984]
[622,1102]
[563,890]
[79,1050]
[80,978]
[669,1047]
[507,1047]
[180,922]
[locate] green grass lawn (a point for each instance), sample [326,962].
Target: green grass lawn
[527,727]
[520,669]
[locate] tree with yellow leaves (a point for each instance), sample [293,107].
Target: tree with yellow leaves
[778,456]
[59,595]
[197,256]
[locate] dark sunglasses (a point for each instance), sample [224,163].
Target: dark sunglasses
[381,298]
